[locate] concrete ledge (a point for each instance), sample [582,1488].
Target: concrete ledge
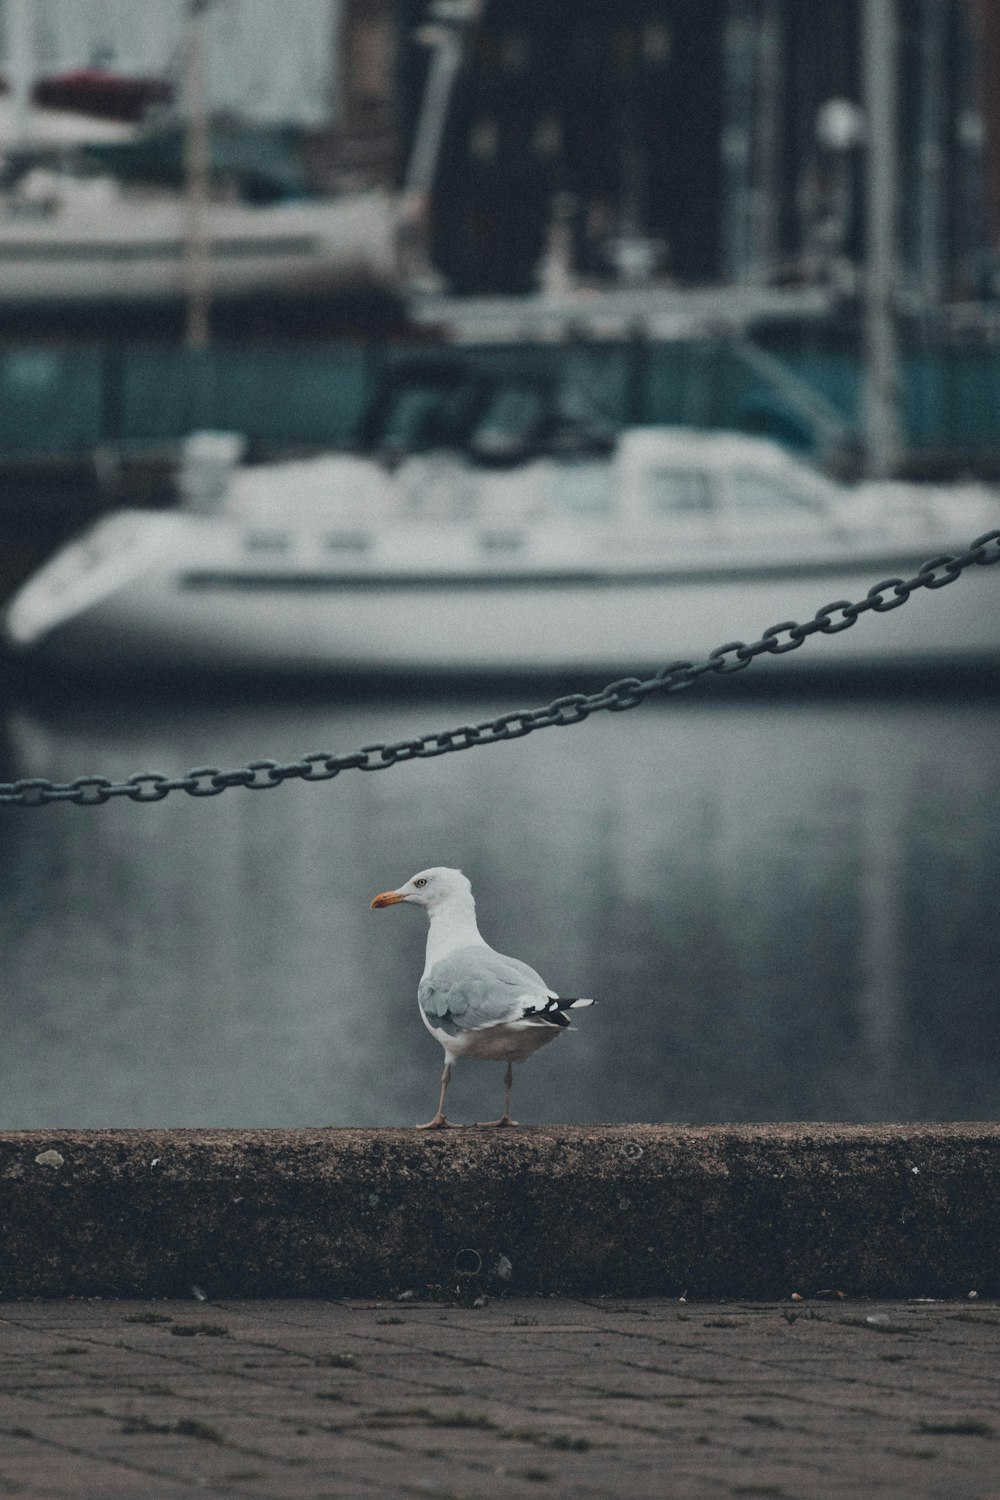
[723,1211]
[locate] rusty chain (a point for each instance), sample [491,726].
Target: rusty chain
[572,708]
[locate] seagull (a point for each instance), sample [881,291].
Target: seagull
[474,1001]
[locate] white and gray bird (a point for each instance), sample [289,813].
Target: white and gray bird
[474,1001]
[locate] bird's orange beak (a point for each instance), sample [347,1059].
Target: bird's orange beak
[387,898]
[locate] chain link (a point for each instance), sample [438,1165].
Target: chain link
[570,708]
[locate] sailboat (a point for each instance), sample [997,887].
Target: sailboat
[73,234]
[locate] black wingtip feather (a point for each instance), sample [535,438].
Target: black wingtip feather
[551,1013]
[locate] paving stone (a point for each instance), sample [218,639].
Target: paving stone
[552,1398]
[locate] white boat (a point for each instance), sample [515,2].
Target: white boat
[86,242]
[677,542]
[76,232]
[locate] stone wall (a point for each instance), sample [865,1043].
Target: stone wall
[723,1211]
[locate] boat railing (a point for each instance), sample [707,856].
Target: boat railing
[208,462]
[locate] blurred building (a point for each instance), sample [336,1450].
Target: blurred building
[644,140]
[794,141]
[598,123]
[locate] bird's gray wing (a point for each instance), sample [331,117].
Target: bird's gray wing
[475,987]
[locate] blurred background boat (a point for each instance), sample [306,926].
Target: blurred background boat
[119,194]
[68,241]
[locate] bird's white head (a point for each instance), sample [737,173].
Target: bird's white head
[430,889]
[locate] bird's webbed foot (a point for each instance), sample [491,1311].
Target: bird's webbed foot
[439,1123]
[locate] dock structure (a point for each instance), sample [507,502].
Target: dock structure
[344,1312]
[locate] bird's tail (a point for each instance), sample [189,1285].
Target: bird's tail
[564,1004]
[551,1013]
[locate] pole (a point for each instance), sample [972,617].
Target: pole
[933,56]
[989,21]
[881,394]
[736,143]
[21,66]
[764,202]
[447,38]
[197,244]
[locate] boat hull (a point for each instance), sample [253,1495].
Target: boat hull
[138,255]
[193,621]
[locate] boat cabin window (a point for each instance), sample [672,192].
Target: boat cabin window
[509,422]
[501,541]
[672,492]
[347,541]
[582,489]
[267,541]
[757,492]
[412,420]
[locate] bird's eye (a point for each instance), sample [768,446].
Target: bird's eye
[419,883]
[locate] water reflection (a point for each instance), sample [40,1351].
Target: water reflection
[787,910]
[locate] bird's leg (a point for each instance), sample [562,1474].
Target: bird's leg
[439,1122]
[508,1083]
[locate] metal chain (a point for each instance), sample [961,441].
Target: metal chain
[572,708]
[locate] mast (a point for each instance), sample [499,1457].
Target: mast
[931,155]
[197,243]
[21,70]
[736,141]
[882,426]
[764,192]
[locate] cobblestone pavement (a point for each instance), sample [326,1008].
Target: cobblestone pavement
[516,1398]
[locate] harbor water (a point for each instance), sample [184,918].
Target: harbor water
[785,906]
